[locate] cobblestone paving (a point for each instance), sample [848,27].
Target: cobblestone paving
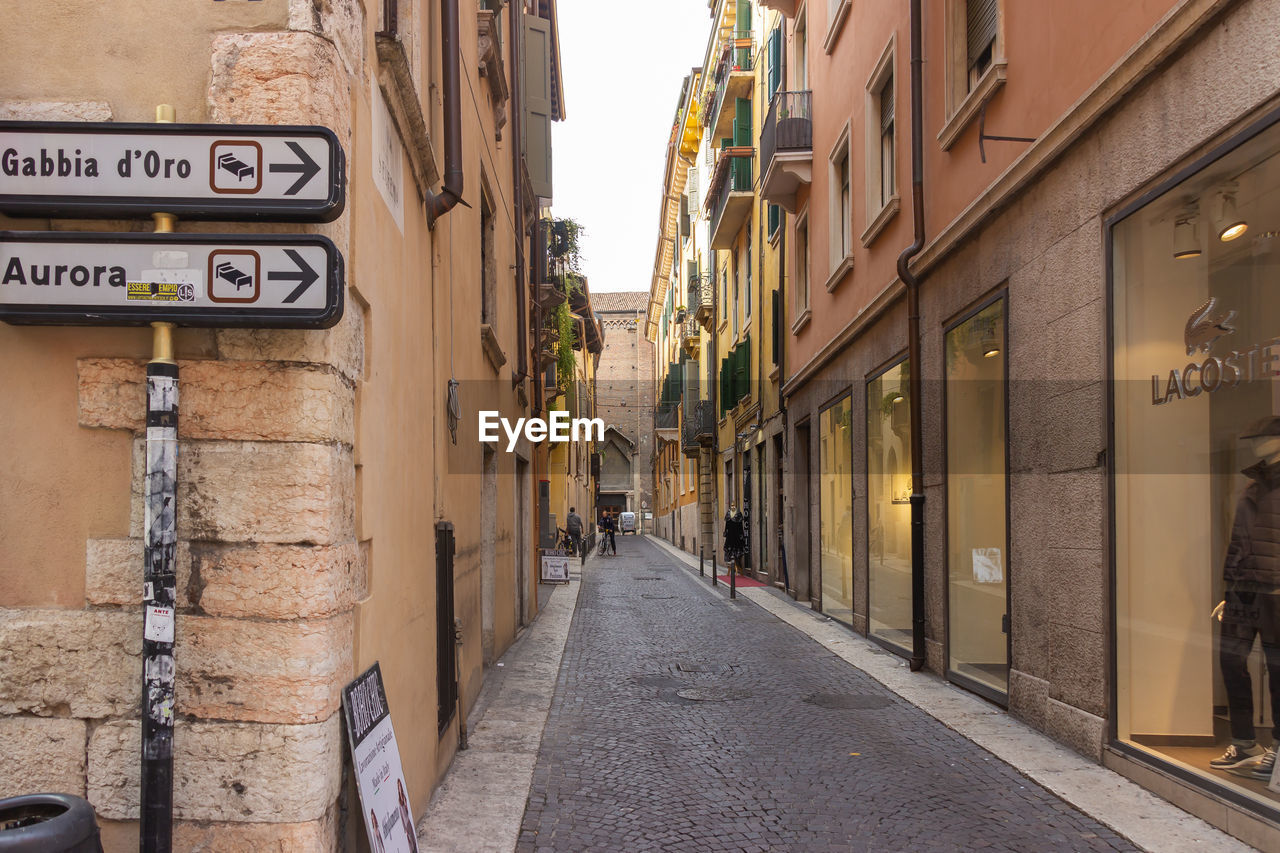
[788,748]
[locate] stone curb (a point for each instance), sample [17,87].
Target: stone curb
[1106,796]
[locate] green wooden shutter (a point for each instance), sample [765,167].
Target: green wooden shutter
[742,370]
[537,103]
[775,60]
[742,30]
[775,218]
[741,166]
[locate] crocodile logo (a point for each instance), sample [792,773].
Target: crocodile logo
[1203,329]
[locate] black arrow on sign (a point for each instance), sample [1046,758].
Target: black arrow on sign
[307,168]
[305,276]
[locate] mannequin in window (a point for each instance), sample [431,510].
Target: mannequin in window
[1251,607]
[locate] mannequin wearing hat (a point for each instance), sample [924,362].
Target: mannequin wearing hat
[1251,609]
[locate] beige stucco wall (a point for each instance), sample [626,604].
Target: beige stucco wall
[313,464]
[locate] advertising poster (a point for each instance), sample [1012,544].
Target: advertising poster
[384,797]
[555,566]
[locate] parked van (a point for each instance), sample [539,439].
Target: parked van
[627,523]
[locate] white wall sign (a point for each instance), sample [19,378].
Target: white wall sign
[196,171]
[79,278]
[388,156]
[384,796]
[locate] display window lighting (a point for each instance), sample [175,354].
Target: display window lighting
[1186,237]
[1227,222]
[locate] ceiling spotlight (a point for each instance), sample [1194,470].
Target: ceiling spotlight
[897,398]
[1227,223]
[1186,242]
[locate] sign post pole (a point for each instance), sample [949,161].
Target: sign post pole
[160,532]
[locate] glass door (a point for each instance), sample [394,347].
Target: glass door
[977,534]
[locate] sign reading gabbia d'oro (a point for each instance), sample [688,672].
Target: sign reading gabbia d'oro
[195,171]
[237,280]
[384,797]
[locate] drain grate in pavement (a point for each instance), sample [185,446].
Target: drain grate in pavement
[647,578]
[659,597]
[849,701]
[712,694]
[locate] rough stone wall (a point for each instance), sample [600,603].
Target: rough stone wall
[269,567]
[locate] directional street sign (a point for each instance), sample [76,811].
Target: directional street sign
[195,171]
[227,280]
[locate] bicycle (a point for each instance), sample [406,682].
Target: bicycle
[566,543]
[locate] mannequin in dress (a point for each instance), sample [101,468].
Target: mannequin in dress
[1251,609]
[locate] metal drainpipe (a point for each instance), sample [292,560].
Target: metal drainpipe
[450,195]
[517,188]
[916,383]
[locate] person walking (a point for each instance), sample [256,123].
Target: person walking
[573,526]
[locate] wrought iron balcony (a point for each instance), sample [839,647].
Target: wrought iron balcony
[786,148]
[690,338]
[698,426]
[666,416]
[729,197]
[700,292]
[733,78]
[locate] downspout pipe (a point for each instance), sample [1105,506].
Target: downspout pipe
[916,381]
[450,195]
[515,23]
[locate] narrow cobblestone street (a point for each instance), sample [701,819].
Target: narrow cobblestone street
[686,721]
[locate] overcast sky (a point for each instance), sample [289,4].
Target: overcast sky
[623,68]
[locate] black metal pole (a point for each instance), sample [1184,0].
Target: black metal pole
[160,532]
[702,568]
[714,580]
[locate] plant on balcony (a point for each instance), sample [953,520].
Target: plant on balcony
[564,324]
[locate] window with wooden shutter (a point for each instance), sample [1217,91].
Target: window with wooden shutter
[887,164]
[980,35]
[775,60]
[537,103]
[775,305]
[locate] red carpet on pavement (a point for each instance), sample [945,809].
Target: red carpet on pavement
[742,581]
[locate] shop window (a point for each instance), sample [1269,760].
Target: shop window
[835,498]
[889,506]
[1196,331]
[977,536]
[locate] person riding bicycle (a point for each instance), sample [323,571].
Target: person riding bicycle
[573,526]
[608,525]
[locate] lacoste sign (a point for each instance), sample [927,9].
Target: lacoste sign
[1205,327]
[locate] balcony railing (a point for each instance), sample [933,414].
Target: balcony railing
[666,416]
[698,426]
[789,126]
[733,174]
[700,287]
[735,56]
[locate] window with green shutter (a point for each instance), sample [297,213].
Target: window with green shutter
[775,60]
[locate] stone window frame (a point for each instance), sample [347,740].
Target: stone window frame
[880,210]
[965,100]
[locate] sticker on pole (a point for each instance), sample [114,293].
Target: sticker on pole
[225,280]
[384,796]
[196,171]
